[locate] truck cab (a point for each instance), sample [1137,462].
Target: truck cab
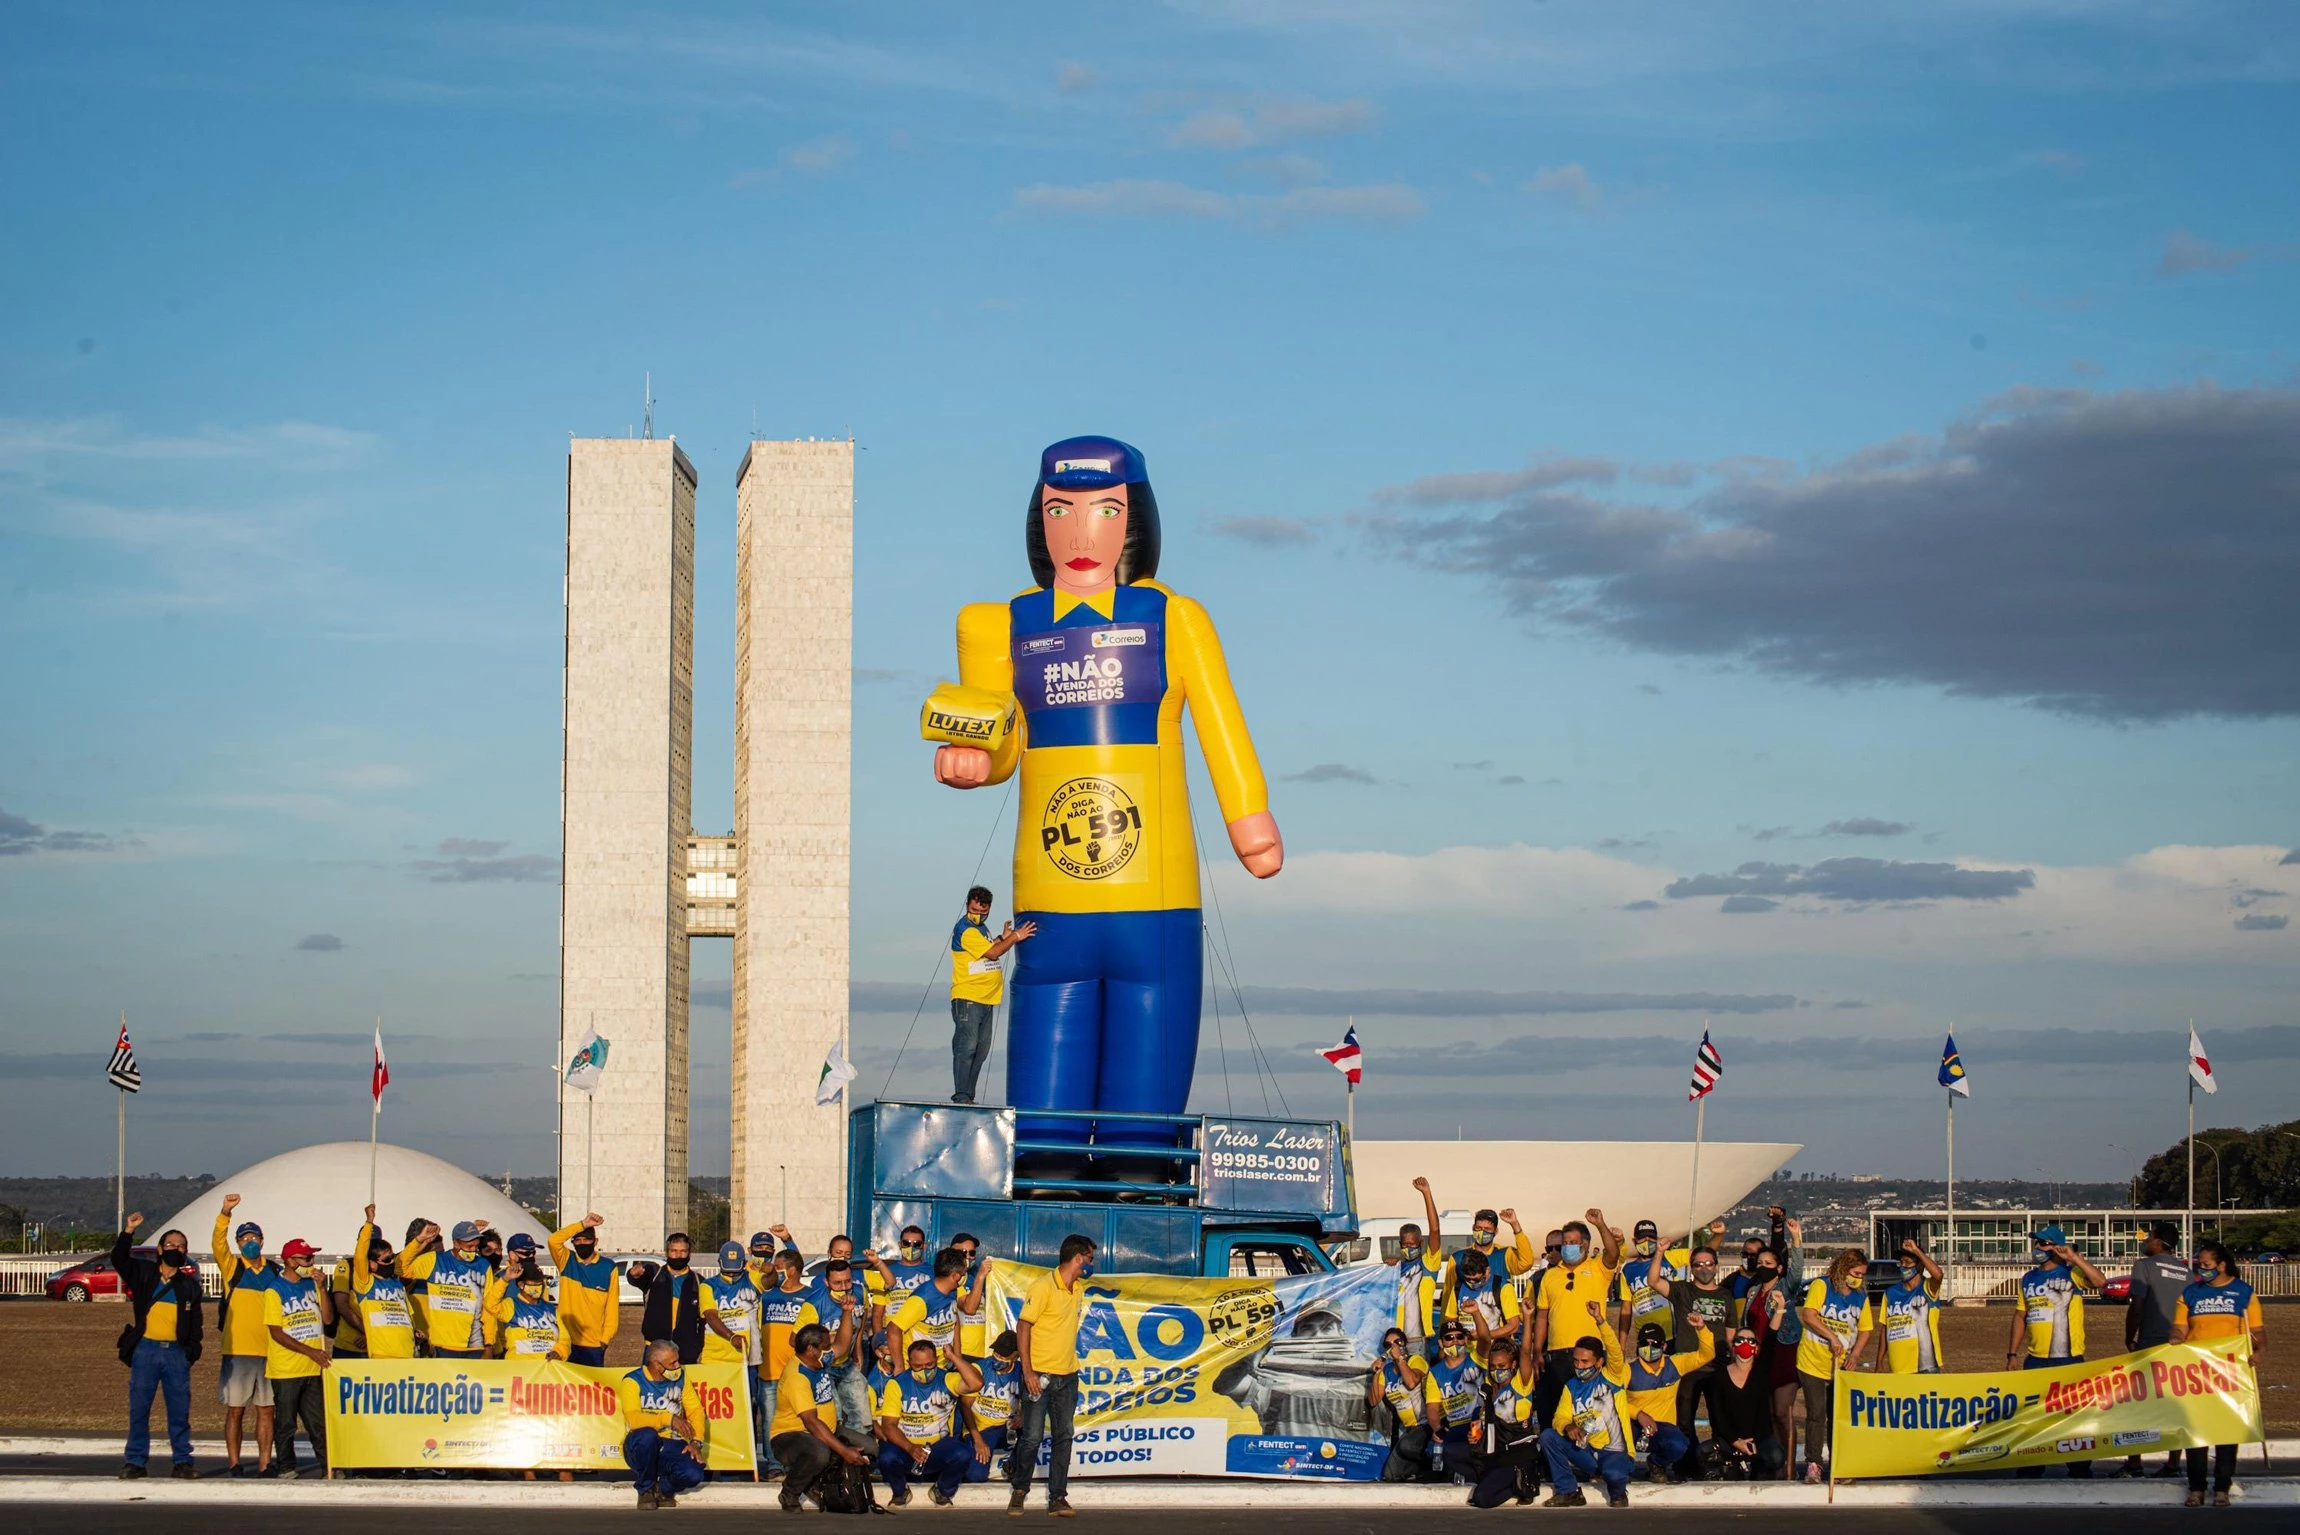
[1224,1197]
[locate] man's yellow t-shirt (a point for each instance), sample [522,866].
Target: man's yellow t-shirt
[160,1321]
[974,976]
[1052,1312]
[803,1389]
[657,1404]
[292,1305]
[1565,1294]
[244,1281]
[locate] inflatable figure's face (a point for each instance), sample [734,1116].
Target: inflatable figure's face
[1085,534]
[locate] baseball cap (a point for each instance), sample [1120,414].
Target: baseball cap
[732,1258]
[1651,1333]
[247,1229]
[521,1243]
[761,1239]
[2050,1236]
[1646,1229]
[468,1231]
[297,1247]
[1090,463]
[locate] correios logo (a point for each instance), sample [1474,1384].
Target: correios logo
[1105,639]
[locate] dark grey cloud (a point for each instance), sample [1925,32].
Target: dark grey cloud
[1642,906]
[1482,765]
[1266,532]
[1857,879]
[2263,922]
[2128,556]
[1515,778]
[1745,905]
[2253,897]
[1311,1001]
[470,847]
[1772,833]
[1867,826]
[2186,253]
[1332,772]
[20,836]
[2291,857]
[319,943]
[519,868]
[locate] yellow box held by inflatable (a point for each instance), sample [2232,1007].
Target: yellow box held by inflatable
[514,1414]
[2179,1396]
[958,715]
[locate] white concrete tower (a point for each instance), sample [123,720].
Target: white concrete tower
[626,777]
[794,714]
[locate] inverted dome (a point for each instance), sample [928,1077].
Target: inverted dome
[317,1193]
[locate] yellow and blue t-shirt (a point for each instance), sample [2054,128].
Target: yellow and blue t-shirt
[457,1294]
[292,1305]
[1849,1313]
[1420,1293]
[994,1403]
[1633,1287]
[530,1328]
[927,1313]
[1652,1388]
[387,1318]
[244,1283]
[1458,1388]
[1403,1390]
[1594,1405]
[1911,1314]
[2211,1311]
[2054,1310]
[925,1410]
[735,1302]
[803,1388]
[656,1404]
[974,976]
[778,1318]
[589,1309]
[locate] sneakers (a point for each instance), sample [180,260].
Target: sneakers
[1572,1499]
[183,1472]
[1016,1502]
[1812,1473]
[939,1498]
[792,1503]
[649,1500]
[239,1471]
[131,1473]
[666,1501]
[1617,1497]
[1059,1508]
[899,1498]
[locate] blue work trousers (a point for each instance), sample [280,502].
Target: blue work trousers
[161,1368]
[994,1438]
[1569,1462]
[1104,1015]
[946,1462]
[661,1463]
[1666,1449]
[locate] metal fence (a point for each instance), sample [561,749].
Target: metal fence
[1999,1281]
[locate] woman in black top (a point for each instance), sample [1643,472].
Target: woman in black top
[1742,1442]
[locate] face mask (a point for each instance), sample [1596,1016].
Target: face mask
[1909,1274]
[1649,1352]
[382,1267]
[253,1247]
[1088,1271]
[673,1373]
[912,1252]
[1704,1275]
[1453,1350]
[1481,1237]
[177,1253]
[1408,1252]
[1570,1252]
[1585,1372]
[1767,1275]
[531,1293]
[1744,1351]
[1645,1248]
[675,1265]
[1749,1262]
[923,1373]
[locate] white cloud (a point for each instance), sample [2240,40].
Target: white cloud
[1271,122]
[1385,205]
[1571,184]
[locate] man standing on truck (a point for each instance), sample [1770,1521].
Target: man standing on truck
[976,984]
[1048,1338]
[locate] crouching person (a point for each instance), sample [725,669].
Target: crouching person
[662,1427]
[1394,1389]
[1588,1436]
[1653,1394]
[805,1435]
[922,1426]
[991,1400]
[1513,1457]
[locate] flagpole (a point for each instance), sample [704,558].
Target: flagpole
[374,1113]
[1952,1231]
[120,1184]
[2188,1214]
[1350,1091]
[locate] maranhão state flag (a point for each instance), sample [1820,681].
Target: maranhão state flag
[2200,1064]
[1346,1057]
[380,1078]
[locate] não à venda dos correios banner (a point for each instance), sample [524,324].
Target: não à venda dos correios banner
[517,1414]
[2179,1396]
[1222,1377]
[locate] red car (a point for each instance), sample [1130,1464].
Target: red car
[91,1277]
[2118,1289]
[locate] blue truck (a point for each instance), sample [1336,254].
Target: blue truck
[1224,1195]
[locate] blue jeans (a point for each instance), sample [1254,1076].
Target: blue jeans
[660,1463]
[850,1389]
[946,1462]
[159,1367]
[995,1438]
[970,1024]
[1568,1462]
[762,1416]
[593,1354]
[1666,1448]
[1046,1415]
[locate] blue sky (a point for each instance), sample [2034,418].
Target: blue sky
[1641,457]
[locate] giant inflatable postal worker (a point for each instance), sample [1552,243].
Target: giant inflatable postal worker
[1079,683]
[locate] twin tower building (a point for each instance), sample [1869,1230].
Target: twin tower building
[639,883]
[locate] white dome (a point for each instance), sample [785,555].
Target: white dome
[317,1194]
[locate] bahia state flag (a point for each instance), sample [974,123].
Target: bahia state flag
[1953,1070]
[1346,1057]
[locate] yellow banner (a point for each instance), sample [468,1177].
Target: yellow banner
[2180,1396]
[517,1414]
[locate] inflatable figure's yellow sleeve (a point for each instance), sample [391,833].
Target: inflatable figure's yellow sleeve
[1194,652]
[986,661]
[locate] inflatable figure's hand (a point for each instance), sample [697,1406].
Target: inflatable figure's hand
[961,767]
[1256,839]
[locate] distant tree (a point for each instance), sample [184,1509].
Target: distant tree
[2258,1170]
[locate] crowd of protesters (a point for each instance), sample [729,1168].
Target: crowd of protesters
[1592,1358]
[1599,1359]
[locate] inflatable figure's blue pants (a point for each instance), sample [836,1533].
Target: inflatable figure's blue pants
[1104,1015]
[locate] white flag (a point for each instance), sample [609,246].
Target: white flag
[2199,1065]
[588,1063]
[837,1073]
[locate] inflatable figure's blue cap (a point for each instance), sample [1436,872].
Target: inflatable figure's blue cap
[1091,463]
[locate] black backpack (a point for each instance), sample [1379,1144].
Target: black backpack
[846,1488]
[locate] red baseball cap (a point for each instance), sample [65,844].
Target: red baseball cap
[297,1247]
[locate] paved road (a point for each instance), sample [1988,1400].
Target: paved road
[698,1518]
